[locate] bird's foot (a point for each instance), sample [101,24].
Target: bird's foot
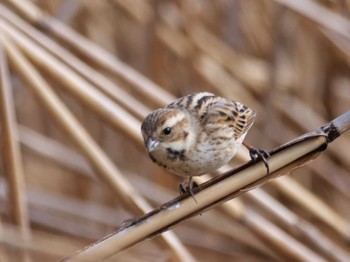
[259,154]
[188,189]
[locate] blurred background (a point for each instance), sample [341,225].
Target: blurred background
[109,63]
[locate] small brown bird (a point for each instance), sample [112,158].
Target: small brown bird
[197,134]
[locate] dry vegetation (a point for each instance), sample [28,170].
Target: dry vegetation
[73,167]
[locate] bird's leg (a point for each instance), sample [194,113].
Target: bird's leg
[188,189]
[258,154]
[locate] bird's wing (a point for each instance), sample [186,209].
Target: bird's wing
[233,114]
[217,111]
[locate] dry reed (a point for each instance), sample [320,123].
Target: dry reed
[72,154]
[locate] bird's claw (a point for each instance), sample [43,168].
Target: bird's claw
[188,189]
[260,154]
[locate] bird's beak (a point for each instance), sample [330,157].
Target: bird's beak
[151,144]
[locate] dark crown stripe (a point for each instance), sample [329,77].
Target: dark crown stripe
[189,100]
[202,101]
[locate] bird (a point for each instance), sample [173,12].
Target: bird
[197,134]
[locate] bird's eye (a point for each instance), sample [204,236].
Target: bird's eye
[167,131]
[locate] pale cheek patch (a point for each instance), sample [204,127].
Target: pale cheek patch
[176,145]
[191,139]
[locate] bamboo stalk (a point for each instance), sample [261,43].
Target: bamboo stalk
[140,10]
[3,253]
[94,52]
[223,82]
[27,9]
[79,87]
[12,151]
[54,151]
[101,57]
[68,122]
[309,201]
[291,220]
[67,10]
[105,85]
[45,243]
[52,211]
[319,15]
[305,113]
[314,205]
[105,168]
[251,72]
[298,194]
[286,244]
[327,167]
[294,222]
[12,156]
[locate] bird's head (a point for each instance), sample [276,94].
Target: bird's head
[166,128]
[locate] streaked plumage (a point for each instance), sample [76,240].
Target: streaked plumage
[197,133]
